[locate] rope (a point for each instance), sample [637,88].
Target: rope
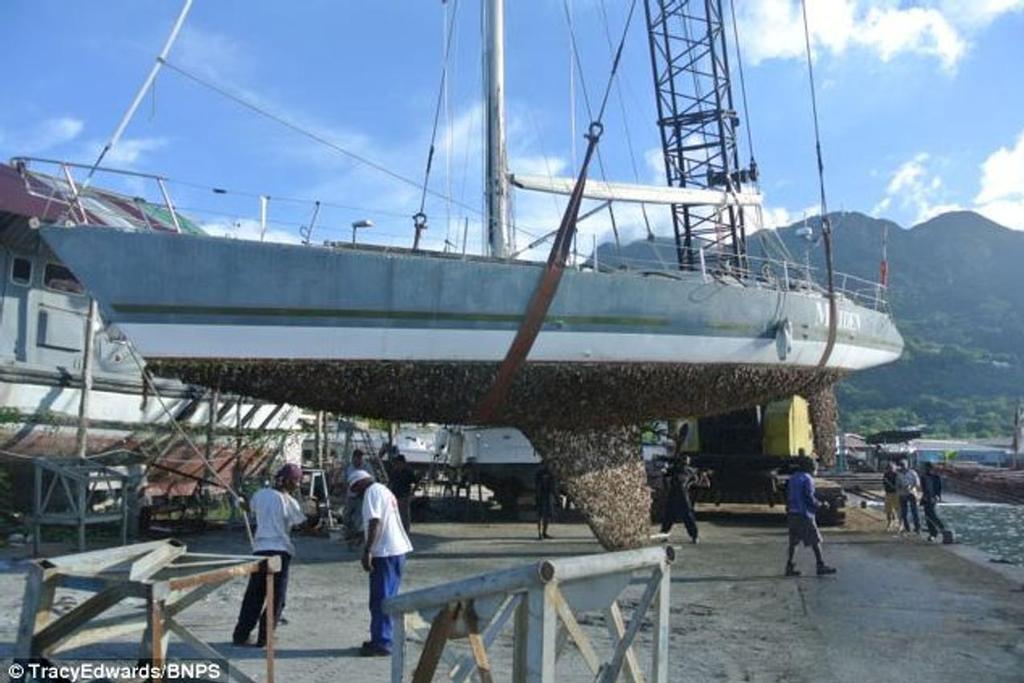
[316,137]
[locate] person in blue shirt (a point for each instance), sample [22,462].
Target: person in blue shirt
[801,507]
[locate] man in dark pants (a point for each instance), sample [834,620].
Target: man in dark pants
[931,488]
[276,512]
[801,507]
[910,489]
[544,490]
[402,482]
[678,479]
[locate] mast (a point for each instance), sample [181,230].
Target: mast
[496,200]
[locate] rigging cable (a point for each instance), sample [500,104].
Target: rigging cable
[316,137]
[826,228]
[607,91]
[625,121]
[160,61]
[743,85]
[420,218]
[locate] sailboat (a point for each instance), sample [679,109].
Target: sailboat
[417,335]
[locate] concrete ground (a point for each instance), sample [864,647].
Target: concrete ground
[899,610]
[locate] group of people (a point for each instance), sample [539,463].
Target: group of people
[801,505]
[384,515]
[904,489]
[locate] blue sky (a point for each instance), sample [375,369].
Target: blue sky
[921,104]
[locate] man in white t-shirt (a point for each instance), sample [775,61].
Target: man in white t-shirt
[383,555]
[276,512]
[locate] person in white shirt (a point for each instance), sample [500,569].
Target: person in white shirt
[384,553]
[276,512]
[909,486]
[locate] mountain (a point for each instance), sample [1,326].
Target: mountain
[956,290]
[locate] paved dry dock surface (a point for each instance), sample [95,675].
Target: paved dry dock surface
[898,611]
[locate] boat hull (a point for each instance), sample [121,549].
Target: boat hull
[418,336]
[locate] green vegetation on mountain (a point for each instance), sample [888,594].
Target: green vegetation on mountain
[957,294]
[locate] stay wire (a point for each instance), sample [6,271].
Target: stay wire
[625,121]
[437,107]
[316,137]
[743,82]
[814,111]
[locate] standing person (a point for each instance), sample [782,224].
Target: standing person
[892,497]
[383,556]
[931,490]
[276,513]
[801,507]
[909,485]
[677,482]
[544,489]
[352,521]
[402,482]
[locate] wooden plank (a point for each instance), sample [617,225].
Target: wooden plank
[155,560]
[271,616]
[65,625]
[466,666]
[476,644]
[126,624]
[36,603]
[244,568]
[610,673]
[616,629]
[97,560]
[155,631]
[440,630]
[577,633]
[203,649]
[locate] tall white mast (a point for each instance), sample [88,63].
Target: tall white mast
[495,156]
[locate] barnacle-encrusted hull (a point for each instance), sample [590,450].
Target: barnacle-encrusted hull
[419,337]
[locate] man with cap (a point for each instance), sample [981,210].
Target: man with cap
[383,555]
[276,512]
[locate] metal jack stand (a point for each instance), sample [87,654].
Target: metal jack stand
[77,493]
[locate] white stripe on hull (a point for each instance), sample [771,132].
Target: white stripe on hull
[357,344]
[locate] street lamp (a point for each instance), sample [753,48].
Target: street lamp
[365,223]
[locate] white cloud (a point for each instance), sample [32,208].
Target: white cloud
[773,29]
[128,151]
[247,229]
[48,134]
[1001,197]
[914,187]
[209,54]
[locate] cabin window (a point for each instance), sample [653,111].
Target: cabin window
[60,279]
[21,271]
